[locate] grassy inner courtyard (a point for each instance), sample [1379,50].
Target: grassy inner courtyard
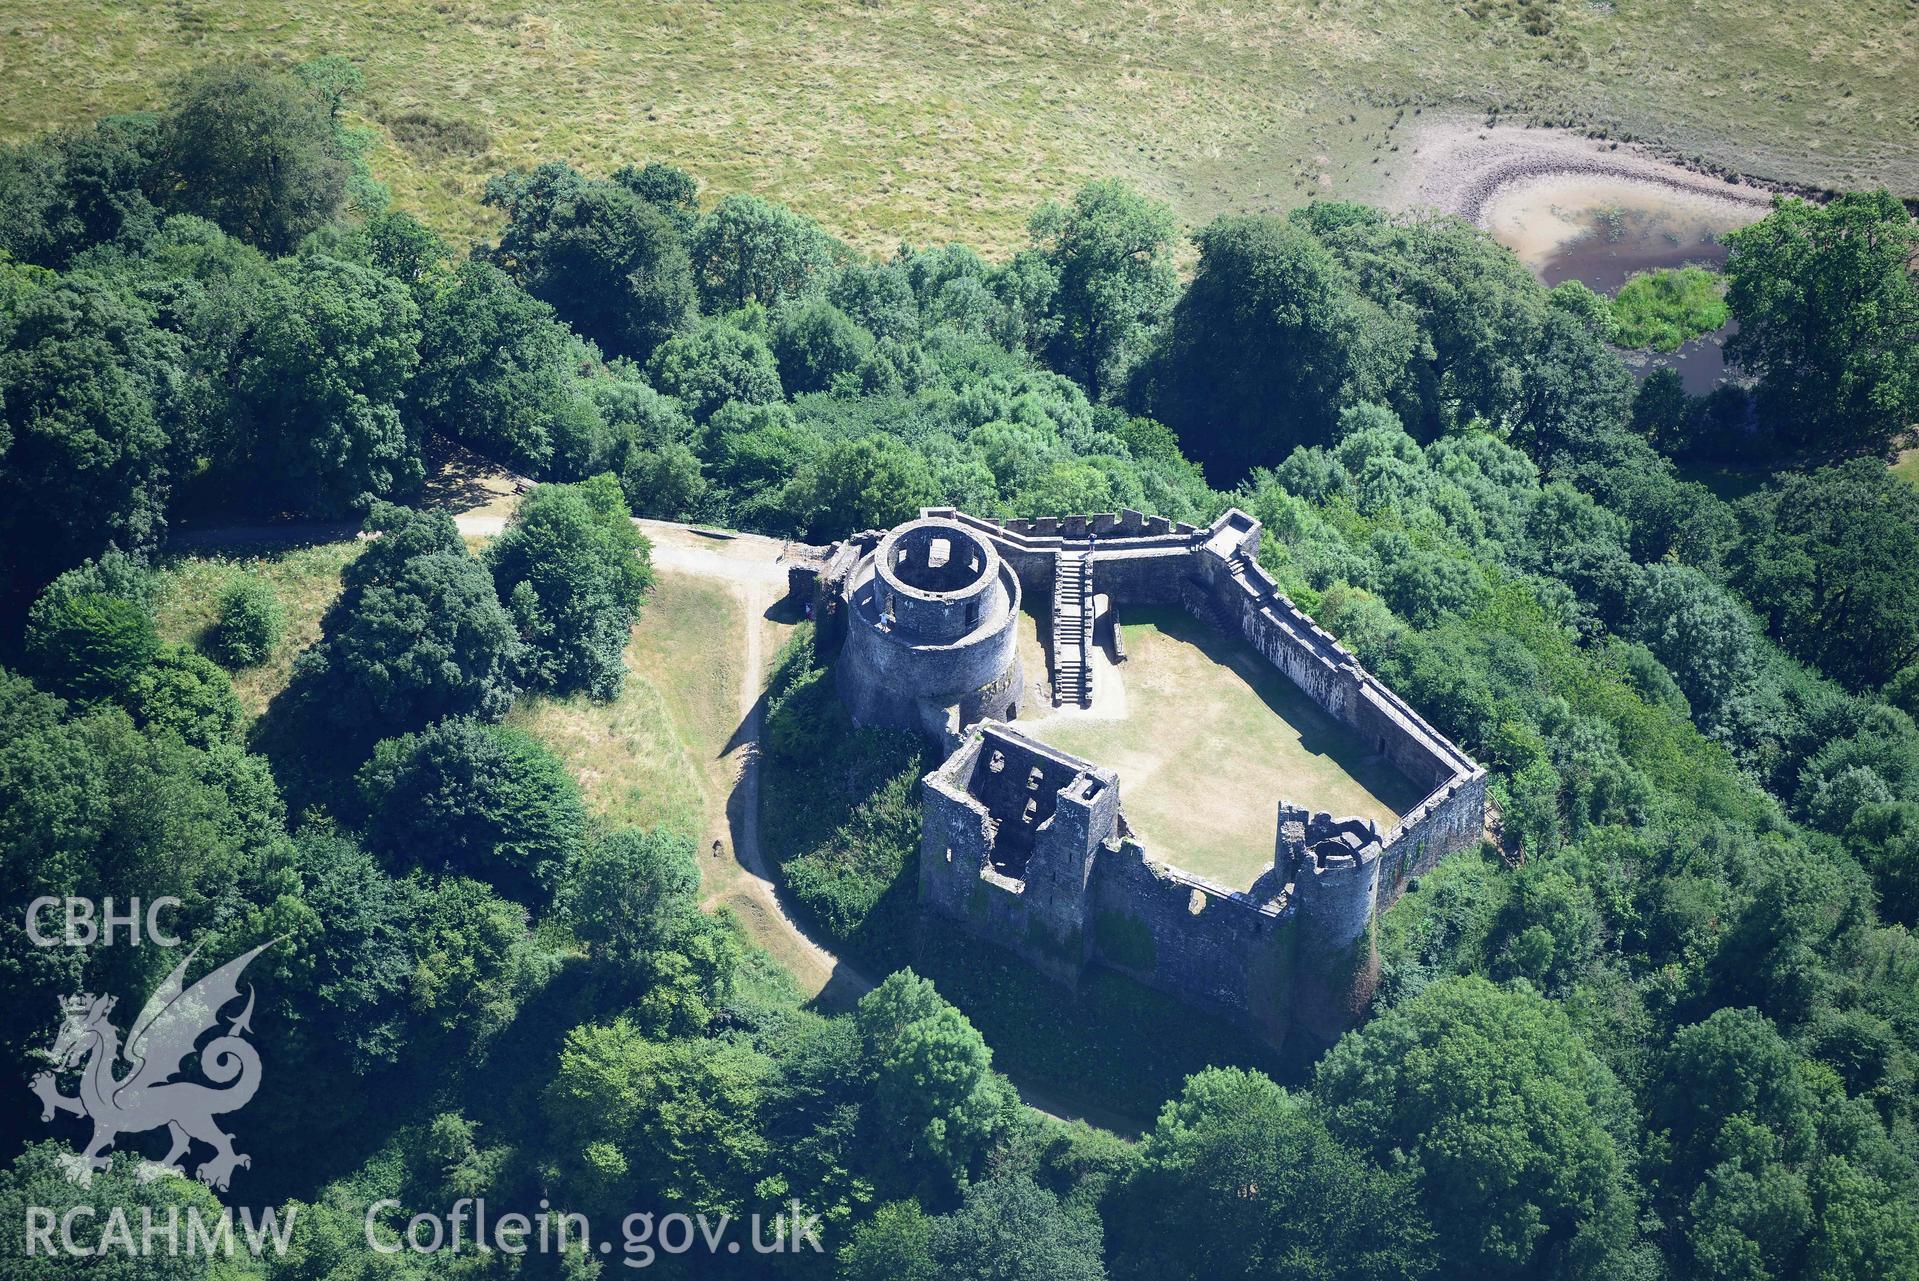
[1211,739]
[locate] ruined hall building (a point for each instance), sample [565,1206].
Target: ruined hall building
[1029,847]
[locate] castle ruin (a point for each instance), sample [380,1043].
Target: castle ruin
[1029,847]
[929,614]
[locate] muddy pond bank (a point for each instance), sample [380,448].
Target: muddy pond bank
[1574,208]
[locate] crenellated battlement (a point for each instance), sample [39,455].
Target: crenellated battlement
[1028,846]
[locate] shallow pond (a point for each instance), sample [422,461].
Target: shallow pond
[1602,230]
[1620,243]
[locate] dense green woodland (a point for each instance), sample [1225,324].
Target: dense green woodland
[1671,1033]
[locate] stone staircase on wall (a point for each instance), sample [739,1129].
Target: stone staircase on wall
[1200,604]
[1072,629]
[1212,611]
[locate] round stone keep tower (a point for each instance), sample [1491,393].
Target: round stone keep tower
[930,629]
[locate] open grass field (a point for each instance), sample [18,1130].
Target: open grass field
[1907,467]
[306,579]
[653,756]
[1212,739]
[930,120]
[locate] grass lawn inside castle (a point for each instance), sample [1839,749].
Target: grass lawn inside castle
[1207,739]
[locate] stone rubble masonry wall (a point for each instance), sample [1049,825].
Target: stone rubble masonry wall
[969,809]
[1195,940]
[1214,573]
[1451,816]
[817,576]
[1296,957]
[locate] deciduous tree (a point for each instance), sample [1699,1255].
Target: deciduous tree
[320,390]
[1514,1127]
[1012,1227]
[250,624]
[94,400]
[751,250]
[859,484]
[498,372]
[680,1118]
[572,570]
[256,151]
[418,635]
[631,891]
[1238,1178]
[1828,313]
[1827,559]
[1111,250]
[608,261]
[716,365]
[479,800]
[1266,346]
[816,342]
[935,1088]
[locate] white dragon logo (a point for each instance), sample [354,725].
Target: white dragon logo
[170,1024]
